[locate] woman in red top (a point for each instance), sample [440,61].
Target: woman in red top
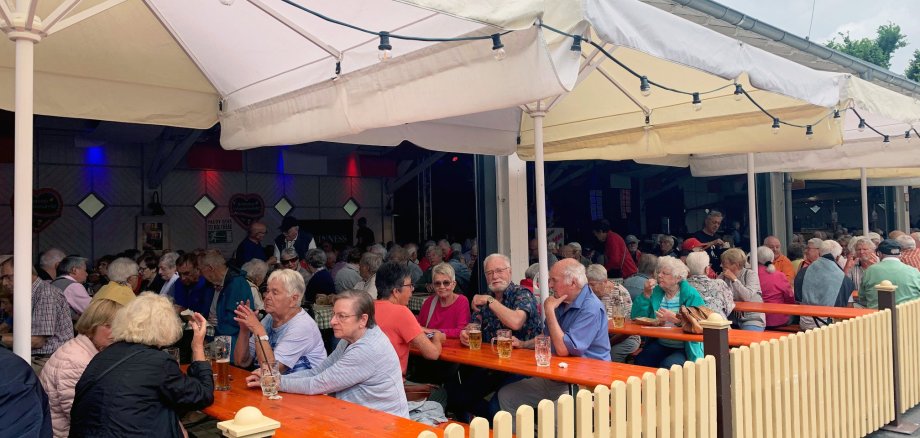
[445,310]
[774,286]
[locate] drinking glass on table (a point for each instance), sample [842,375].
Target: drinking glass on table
[270,380]
[502,343]
[619,315]
[220,351]
[542,350]
[474,334]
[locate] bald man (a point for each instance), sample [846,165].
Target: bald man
[781,262]
[251,247]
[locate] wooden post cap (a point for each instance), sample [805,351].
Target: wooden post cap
[249,423]
[885,286]
[716,321]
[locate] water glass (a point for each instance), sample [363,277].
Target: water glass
[542,347]
[271,380]
[502,343]
[220,352]
[474,333]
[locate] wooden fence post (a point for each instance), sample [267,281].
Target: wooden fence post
[886,300]
[715,343]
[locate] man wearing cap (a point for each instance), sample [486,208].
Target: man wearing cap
[891,268]
[291,237]
[632,245]
[693,245]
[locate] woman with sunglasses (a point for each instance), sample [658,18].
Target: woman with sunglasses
[445,309]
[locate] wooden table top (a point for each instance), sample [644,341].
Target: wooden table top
[736,338]
[581,370]
[312,415]
[803,310]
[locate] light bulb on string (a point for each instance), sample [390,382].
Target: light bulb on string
[739,93]
[885,139]
[697,103]
[836,115]
[810,133]
[498,49]
[775,126]
[384,47]
[862,125]
[644,86]
[576,43]
[907,135]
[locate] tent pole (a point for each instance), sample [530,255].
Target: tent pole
[752,209]
[540,188]
[22,195]
[864,195]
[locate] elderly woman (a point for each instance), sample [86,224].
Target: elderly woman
[614,294]
[647,265]
[132,388]
[666,246]
[346,372]
[662,300]
[123,275]
[774,286]
[255,270]
[861,256]
[716,293]
[445,310]
[148,273]
[745,287]
[367,269]
[287,334]
[60,375]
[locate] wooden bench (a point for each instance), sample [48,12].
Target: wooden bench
[736,338]
[803,310]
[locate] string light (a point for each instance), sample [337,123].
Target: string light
[576,43]
[809,132]
[885,139]
[697,103]
[775,126]
[907,135]
[644,87]
[498,49]
[836,113]
[739,92]
[862,125]
[384,46]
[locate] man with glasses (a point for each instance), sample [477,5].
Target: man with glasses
[251,247]
[290,260]
[71,276]
[505,306]
[812,252]
[192,291]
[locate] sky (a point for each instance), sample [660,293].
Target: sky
[860,17]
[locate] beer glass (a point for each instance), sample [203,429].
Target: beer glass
[502,343]
[619,315]
[220,349]
[542,350]
[271,380]
[474,331]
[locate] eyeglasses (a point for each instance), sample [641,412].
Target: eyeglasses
[289,261]
[406,285]
[496,271]
[441,283]
[341,316]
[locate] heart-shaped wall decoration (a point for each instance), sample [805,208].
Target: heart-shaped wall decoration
[46,208]
[246,208]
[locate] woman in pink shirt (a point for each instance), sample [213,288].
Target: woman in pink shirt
[774,286]
[445,310]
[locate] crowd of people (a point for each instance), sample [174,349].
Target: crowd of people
[97,335]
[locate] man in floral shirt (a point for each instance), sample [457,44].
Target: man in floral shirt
[507,305]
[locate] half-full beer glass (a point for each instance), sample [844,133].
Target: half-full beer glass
[502,343]
[542,350]
[220,349]
[474,332]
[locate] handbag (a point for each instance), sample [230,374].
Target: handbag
[418,391]
[691,316]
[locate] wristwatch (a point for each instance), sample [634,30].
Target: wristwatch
[489,301]
[263,338]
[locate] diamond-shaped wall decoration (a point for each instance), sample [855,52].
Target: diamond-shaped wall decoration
[91,205]
[283,206]
[205,206]
[815,208]
[351,207]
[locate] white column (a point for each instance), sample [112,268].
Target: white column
[511,211]
[22,196]
[752,209]
[864,196]
[540,188]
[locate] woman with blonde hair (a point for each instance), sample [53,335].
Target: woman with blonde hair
[132,388]
[445,309]
[60,375]
[745,286]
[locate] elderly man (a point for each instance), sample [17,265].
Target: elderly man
[321,281]
[230,290]
[506,306]
[892,268]
[822,283]
[291,237]
[711,242]
[251,247]
[192,291]
[551,258]
[367,268]
[780,261]
[349,276]
[167,271]
[577,326]
[401,255]
[51,323]
[71,276]
[616,256]
[812,252]
[910,255]
[572,250]
[48,263]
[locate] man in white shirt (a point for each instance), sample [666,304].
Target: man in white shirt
[167,270]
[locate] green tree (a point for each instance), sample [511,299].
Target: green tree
[913,68]
[876,50]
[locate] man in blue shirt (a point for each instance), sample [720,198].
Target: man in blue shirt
[251,247]
[192,291]
[576,323]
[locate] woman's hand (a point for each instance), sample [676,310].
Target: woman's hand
[666,315]
[248,319]
[649,285]
[254,379]
[729,275]
[199,329]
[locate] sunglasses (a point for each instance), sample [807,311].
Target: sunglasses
[441,283]
[289,261]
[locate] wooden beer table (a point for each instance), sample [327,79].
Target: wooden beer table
[580,370]
[312,415]
[803,310]
[736,338]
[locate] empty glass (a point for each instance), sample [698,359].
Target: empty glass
[271,380]
[542,347]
